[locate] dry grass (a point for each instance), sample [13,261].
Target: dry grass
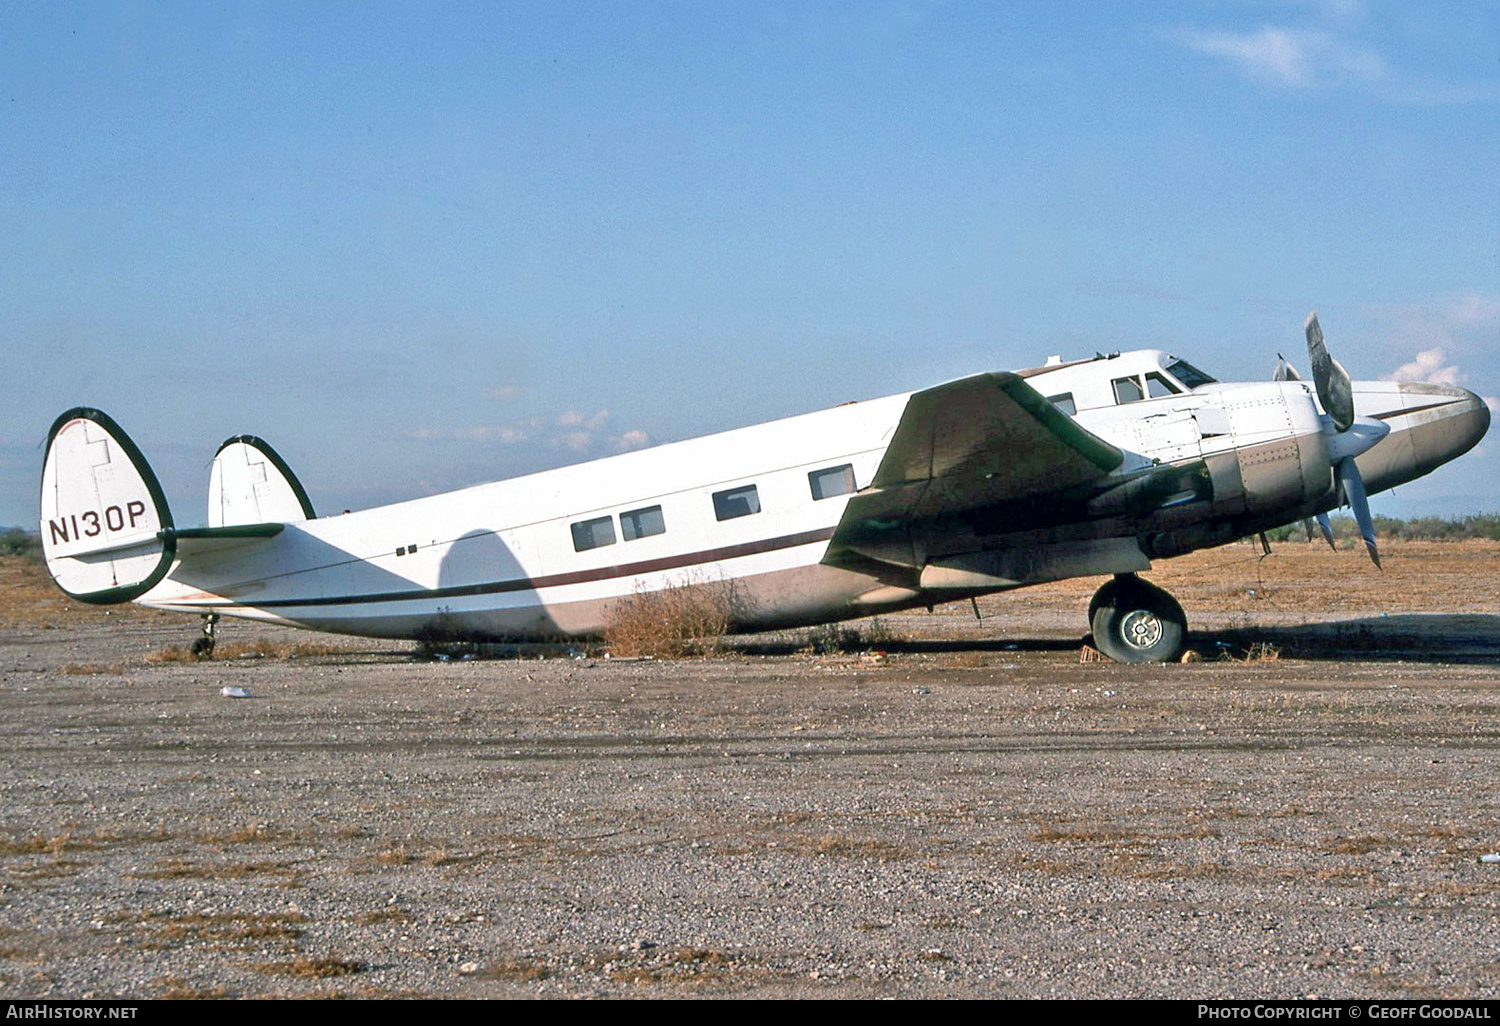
[1360,845]
[277,873]
[258,833]
[70,839]
[858,848]
[674,622]
[311,967]
[520,969]
[220,931]
[175,988]
[92,669]
[672,965]
[253,649]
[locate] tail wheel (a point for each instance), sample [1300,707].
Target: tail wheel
[1136,622]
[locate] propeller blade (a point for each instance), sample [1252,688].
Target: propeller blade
[1320,524]
[1354,492]
[1285,371]
[1327,528]
[1334,388]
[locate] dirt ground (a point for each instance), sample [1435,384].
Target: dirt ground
[925,805]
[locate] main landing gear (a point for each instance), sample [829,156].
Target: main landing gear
[1136,622]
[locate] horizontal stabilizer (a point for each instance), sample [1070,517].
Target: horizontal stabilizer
[106,529]
[251,484]
[205,541]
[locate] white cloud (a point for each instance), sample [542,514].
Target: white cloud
[1461,329]
[633,439]
[576,419]
[1430,366]
[578,432]
[1289,57]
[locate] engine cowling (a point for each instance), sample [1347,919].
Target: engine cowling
[1279,459]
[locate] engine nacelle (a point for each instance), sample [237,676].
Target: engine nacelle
[1279,460]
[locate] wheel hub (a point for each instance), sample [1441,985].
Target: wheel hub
[1141,629]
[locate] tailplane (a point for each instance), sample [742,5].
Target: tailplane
[106,529]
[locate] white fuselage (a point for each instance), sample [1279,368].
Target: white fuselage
[512,560]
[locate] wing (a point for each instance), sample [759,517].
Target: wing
[975,442]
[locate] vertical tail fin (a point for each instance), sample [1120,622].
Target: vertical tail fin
[106,528]
[251,484]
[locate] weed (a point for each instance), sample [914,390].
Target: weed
[395,855]
[254,649]
[515,969]
[832,639]
[175,988]
[669,623]
[850,847]
[92,669]
[219,930]
[312,967]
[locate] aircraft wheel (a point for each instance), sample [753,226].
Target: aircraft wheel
[1137,622]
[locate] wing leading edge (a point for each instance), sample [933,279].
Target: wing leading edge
[971,443]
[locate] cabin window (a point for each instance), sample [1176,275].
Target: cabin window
[1064,402]
[1159,386]
[831,481]
[593,534]
[1128,390]
[736,502]
[642,523]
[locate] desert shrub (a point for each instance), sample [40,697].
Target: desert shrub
[672,622]
[16,542]
[1482,526]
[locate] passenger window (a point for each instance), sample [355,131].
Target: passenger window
[642,523]
[1128,390]
[831,481]
[1064,402]
[1160,386]
[736,502]
[593,534]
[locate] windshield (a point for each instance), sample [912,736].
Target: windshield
[1189,375]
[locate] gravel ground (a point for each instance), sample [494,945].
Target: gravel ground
[958,818]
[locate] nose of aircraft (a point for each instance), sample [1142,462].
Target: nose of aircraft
[1430,425]
[1446,421]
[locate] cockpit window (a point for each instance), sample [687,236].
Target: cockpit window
[1189,375]
[1064,402]
[1128,390]
[1159,386]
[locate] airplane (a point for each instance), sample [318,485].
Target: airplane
[1093,467]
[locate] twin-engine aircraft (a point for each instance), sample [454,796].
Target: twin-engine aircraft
[990,482]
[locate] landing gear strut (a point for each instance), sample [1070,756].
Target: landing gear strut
[203,647]
[1136,622]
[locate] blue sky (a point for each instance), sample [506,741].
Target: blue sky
[418,247]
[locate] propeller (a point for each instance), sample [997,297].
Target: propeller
[1351,435]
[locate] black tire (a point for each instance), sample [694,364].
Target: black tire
[1136,622]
